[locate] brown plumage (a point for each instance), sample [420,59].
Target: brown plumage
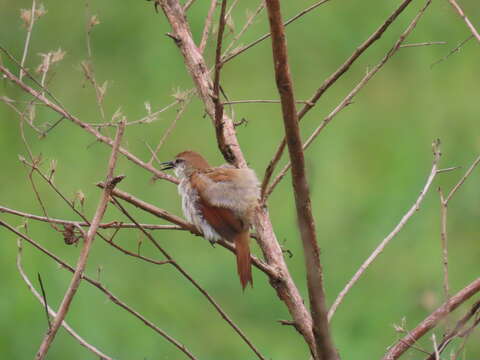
[220,201]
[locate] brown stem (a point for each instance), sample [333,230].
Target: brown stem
[432,320]
[324,348]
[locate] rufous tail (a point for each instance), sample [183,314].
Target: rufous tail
[244,263]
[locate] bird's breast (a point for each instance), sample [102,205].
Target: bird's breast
[191,209]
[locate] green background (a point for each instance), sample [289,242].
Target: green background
[365,170]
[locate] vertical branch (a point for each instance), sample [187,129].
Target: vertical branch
[216,81]
[444,238]
[82,260]
[325,349]
[27,39]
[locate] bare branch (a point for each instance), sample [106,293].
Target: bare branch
[207,26]
[324,348]
[432,320]
[444,242]
[52,313]
[235,53]
[82,260]
[27,39]
[460,12]
[462,180]
[415,207]
[109,225]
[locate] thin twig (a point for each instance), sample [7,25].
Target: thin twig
[460,12]
[82,260]
[27,39]
[207,26]
[109,225]
[444,242]
[432,320]
[423,44]
[462,180]
[236,52]
[322,347]
[233,102]
[50,311]
[454,50]
[167,133]
[415,207]
[216,81]
[247,24]
[44,294]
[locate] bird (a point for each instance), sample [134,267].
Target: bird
[220,201]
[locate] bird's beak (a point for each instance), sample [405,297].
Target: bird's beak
[167,165]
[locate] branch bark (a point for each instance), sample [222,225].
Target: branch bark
[324,348]
[432,320]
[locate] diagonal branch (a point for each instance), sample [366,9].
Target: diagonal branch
[324,348]
[82,260]
[52,313]
[415,207]
[460,12]
[432,320]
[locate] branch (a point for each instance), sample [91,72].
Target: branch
[432,320]
[235,53]
[458,330]
[103,289]
[207,26]
[324,348]
[460,12]
[52,313]
[82,260]
[415,207]
[109,225]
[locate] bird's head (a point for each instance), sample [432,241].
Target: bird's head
[185,163]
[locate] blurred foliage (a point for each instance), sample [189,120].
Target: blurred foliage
[366,169]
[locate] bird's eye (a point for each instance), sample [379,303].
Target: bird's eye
[179,161]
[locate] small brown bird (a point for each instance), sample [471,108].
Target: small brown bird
[220,201]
